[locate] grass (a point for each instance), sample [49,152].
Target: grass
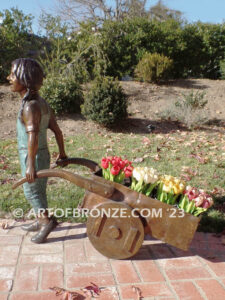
[198,157]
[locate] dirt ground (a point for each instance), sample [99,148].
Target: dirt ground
[146,101]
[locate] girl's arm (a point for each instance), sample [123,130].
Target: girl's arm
[58,135]
[31,118]
[32,151]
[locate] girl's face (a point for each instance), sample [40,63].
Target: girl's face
[16,86]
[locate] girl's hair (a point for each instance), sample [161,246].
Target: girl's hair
[29,74]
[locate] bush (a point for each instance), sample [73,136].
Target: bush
[153,67]
[213,52]
[63,94]
[192,100]
[196,48]
[105,103]
[125,42]
[222,69]
[188,110]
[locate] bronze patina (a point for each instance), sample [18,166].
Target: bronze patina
[121,237]
[34,118]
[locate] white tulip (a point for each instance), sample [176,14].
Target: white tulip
[147,178]
[148,175]
[137,174]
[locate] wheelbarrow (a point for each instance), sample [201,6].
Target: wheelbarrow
[121,235]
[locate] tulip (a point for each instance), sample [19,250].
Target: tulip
[150,176]
[191,192]
[105,163]
[197,199]
[109,158]
[144,180]
[127,162]
[115,170]
[170,188]
[138,174]
[128,171]
[115,161]
[208,202]
[122,164]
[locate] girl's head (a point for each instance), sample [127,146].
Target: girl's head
[29,73]
[26,78]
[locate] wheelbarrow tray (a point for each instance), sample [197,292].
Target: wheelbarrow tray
[165,222]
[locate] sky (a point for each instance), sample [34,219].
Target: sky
[212,11]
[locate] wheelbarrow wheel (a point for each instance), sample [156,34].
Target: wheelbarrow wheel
[114,230]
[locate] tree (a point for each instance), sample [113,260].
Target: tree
[16,38]
[135,8]
[161,12]
[53,27]
[100,10]
[15,20]
[117,10]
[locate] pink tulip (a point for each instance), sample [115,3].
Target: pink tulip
[199,200]
[208,202]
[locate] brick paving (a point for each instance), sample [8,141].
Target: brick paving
[68,260]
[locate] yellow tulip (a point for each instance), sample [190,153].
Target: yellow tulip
[172,183]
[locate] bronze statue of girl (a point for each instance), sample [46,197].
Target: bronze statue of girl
[35,117]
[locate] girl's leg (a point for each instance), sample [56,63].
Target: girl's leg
[35,193]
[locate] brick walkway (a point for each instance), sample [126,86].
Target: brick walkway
[68,260]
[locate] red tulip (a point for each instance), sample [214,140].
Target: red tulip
[128,171]
[127,162]
[115,161]
[122,164]
[105,163]
[109,158]
[115,170]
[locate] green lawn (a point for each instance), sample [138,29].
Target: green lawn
[197,157]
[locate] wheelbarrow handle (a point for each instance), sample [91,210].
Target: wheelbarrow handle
[93,166]
[89,184]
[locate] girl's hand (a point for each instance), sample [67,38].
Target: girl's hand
[60,158]
[30,174]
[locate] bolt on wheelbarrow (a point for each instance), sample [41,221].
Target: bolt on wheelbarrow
[120,235]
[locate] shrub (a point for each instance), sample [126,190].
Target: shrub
[213,52]
[192,100]
[188,110]
[63,94]
[196,48]
[222,69]
[105,103]
[153,67]
[125,42]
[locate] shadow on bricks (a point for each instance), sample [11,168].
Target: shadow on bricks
[207,246]
[67,238]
